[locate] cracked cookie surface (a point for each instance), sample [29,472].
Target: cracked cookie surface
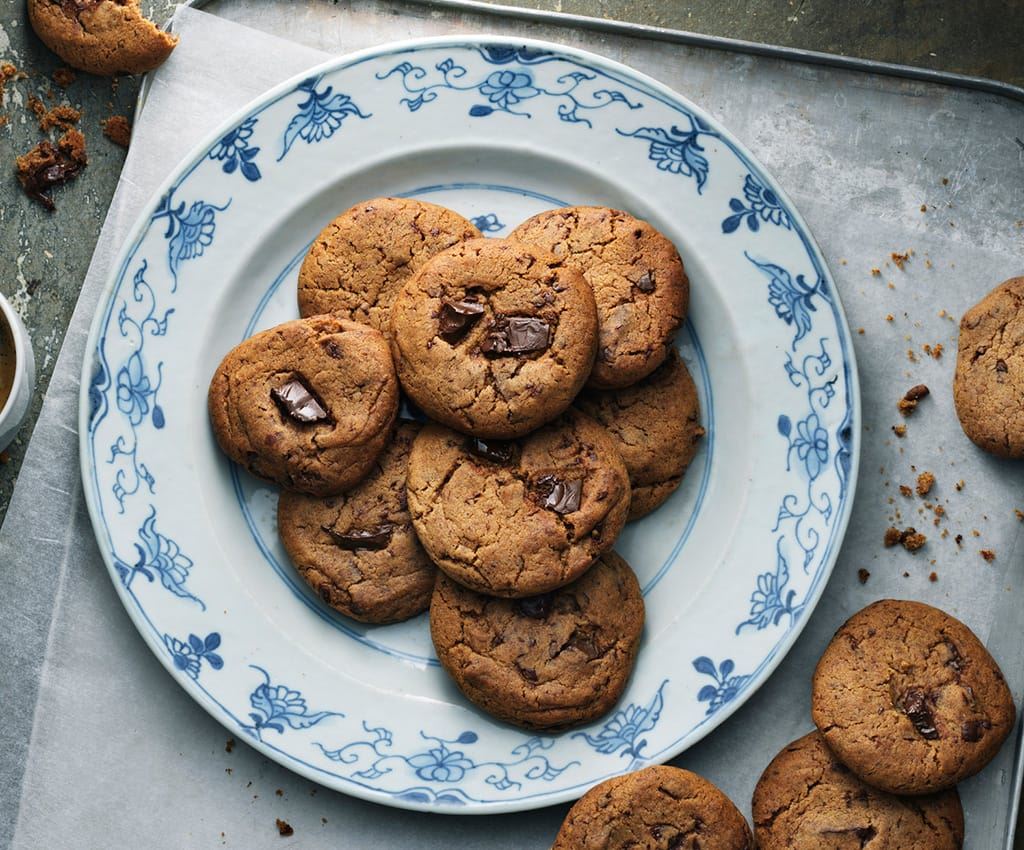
[493,337]
[639,284]
[360,261]
[909,699]
[308,404]
[807,800]
[358,550]
[657,808]
[546,662]
[518,518]
[104,37]
[656,427]
[988,388]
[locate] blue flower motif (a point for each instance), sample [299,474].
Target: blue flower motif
[277,706]
[811,445]
[675,150]
[234,151]
[763,206]
[134,389]
[500,54]
[766,605]
[187,655]
[792,300]
[189,233]
[159,556]
[487,223]
[319,116]
[507,88]
[623,732]
[440,764]
[726,686]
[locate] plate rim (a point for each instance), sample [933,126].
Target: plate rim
[196,154]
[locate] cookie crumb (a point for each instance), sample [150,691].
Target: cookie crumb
[933,576]
[860,331]
[988,555]
[924,207]
[906,491]
[959,539]
[863,575]
[1019,514]
[229,770]
[323,820]
[229,745]
[901,259]
[945,181]
[908,404]
[279,792]
[975,533]
[925,482]
[284,828]
[118,129]
[959,485]
[64,77]
[892,537]
[889,317]
[5,457]
[876,272]
[899,430]
[63,117]
[46,166]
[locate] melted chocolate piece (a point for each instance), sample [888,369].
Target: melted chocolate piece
[377,537]
[914,704]
[498,451]
[646,282]
[562,497]
[54,169]
[297,401]
[973,731]
[955,660]
[537,607]
[456,318]
[862,833]
[515,335]
[1001,365]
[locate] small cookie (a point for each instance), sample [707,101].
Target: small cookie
[546,662]
[657,808]
[308,404]
[988,388]
[361,260]
[358,551]
[909,699]
[641,289]
[518,518]
[104,37]
[807,800]
[656,427]
[494,338]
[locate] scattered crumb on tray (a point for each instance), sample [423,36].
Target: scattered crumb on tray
[925,482]
[908,404]
[906,491]
[46,166]
[118,130]
[64,77]
[933,576]
[901,259]
[284,828]
[899,430]
[863,575]
[229,745]
[988,555]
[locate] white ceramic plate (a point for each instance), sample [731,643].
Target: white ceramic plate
[498,129]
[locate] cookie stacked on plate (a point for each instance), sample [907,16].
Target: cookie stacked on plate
[557,410]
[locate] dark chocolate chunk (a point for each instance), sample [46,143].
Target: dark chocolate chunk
[457,317]
[955,660]
[527,673]
[44,168]
[973,731]
[916,393]
[914,704]
[498,451]
[331,348]
[583,640]
[862,833]
[513,335]
[1001,365]
[296,400]
[646,282]
[377,537]
[537,607]
[562,497]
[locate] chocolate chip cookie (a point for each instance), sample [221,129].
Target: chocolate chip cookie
[494,338]
[807,800]
[518,518]
[308,404]
[909,699]
[545,662]
[656,427]
[657,808]
[104,37]
[641,289]
[358,551]
[988,388]
[360,261]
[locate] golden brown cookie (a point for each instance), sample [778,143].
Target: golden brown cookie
[988,388]
[358,551]
[518,518]
[104,37]
[657,808]
[909,699]
[308,404]
[361,260]
[807,800]
[656,427]
[494,338]
[546,662]
[641,289]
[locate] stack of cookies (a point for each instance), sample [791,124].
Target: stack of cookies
[557,411]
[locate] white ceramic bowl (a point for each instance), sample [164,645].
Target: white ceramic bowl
[12,414]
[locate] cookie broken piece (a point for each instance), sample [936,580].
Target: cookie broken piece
[103,37]
[46,166]
[118,129]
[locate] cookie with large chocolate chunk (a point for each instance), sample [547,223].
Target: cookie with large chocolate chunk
[909,699]
[518,518]
[807,800]
[362,259]
[494,338]
[358,550]
[656,425]
[657,808]
[988,388]
[641,289]
[545,662]
[308,404]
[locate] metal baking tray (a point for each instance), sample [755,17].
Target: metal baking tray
[880,159]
